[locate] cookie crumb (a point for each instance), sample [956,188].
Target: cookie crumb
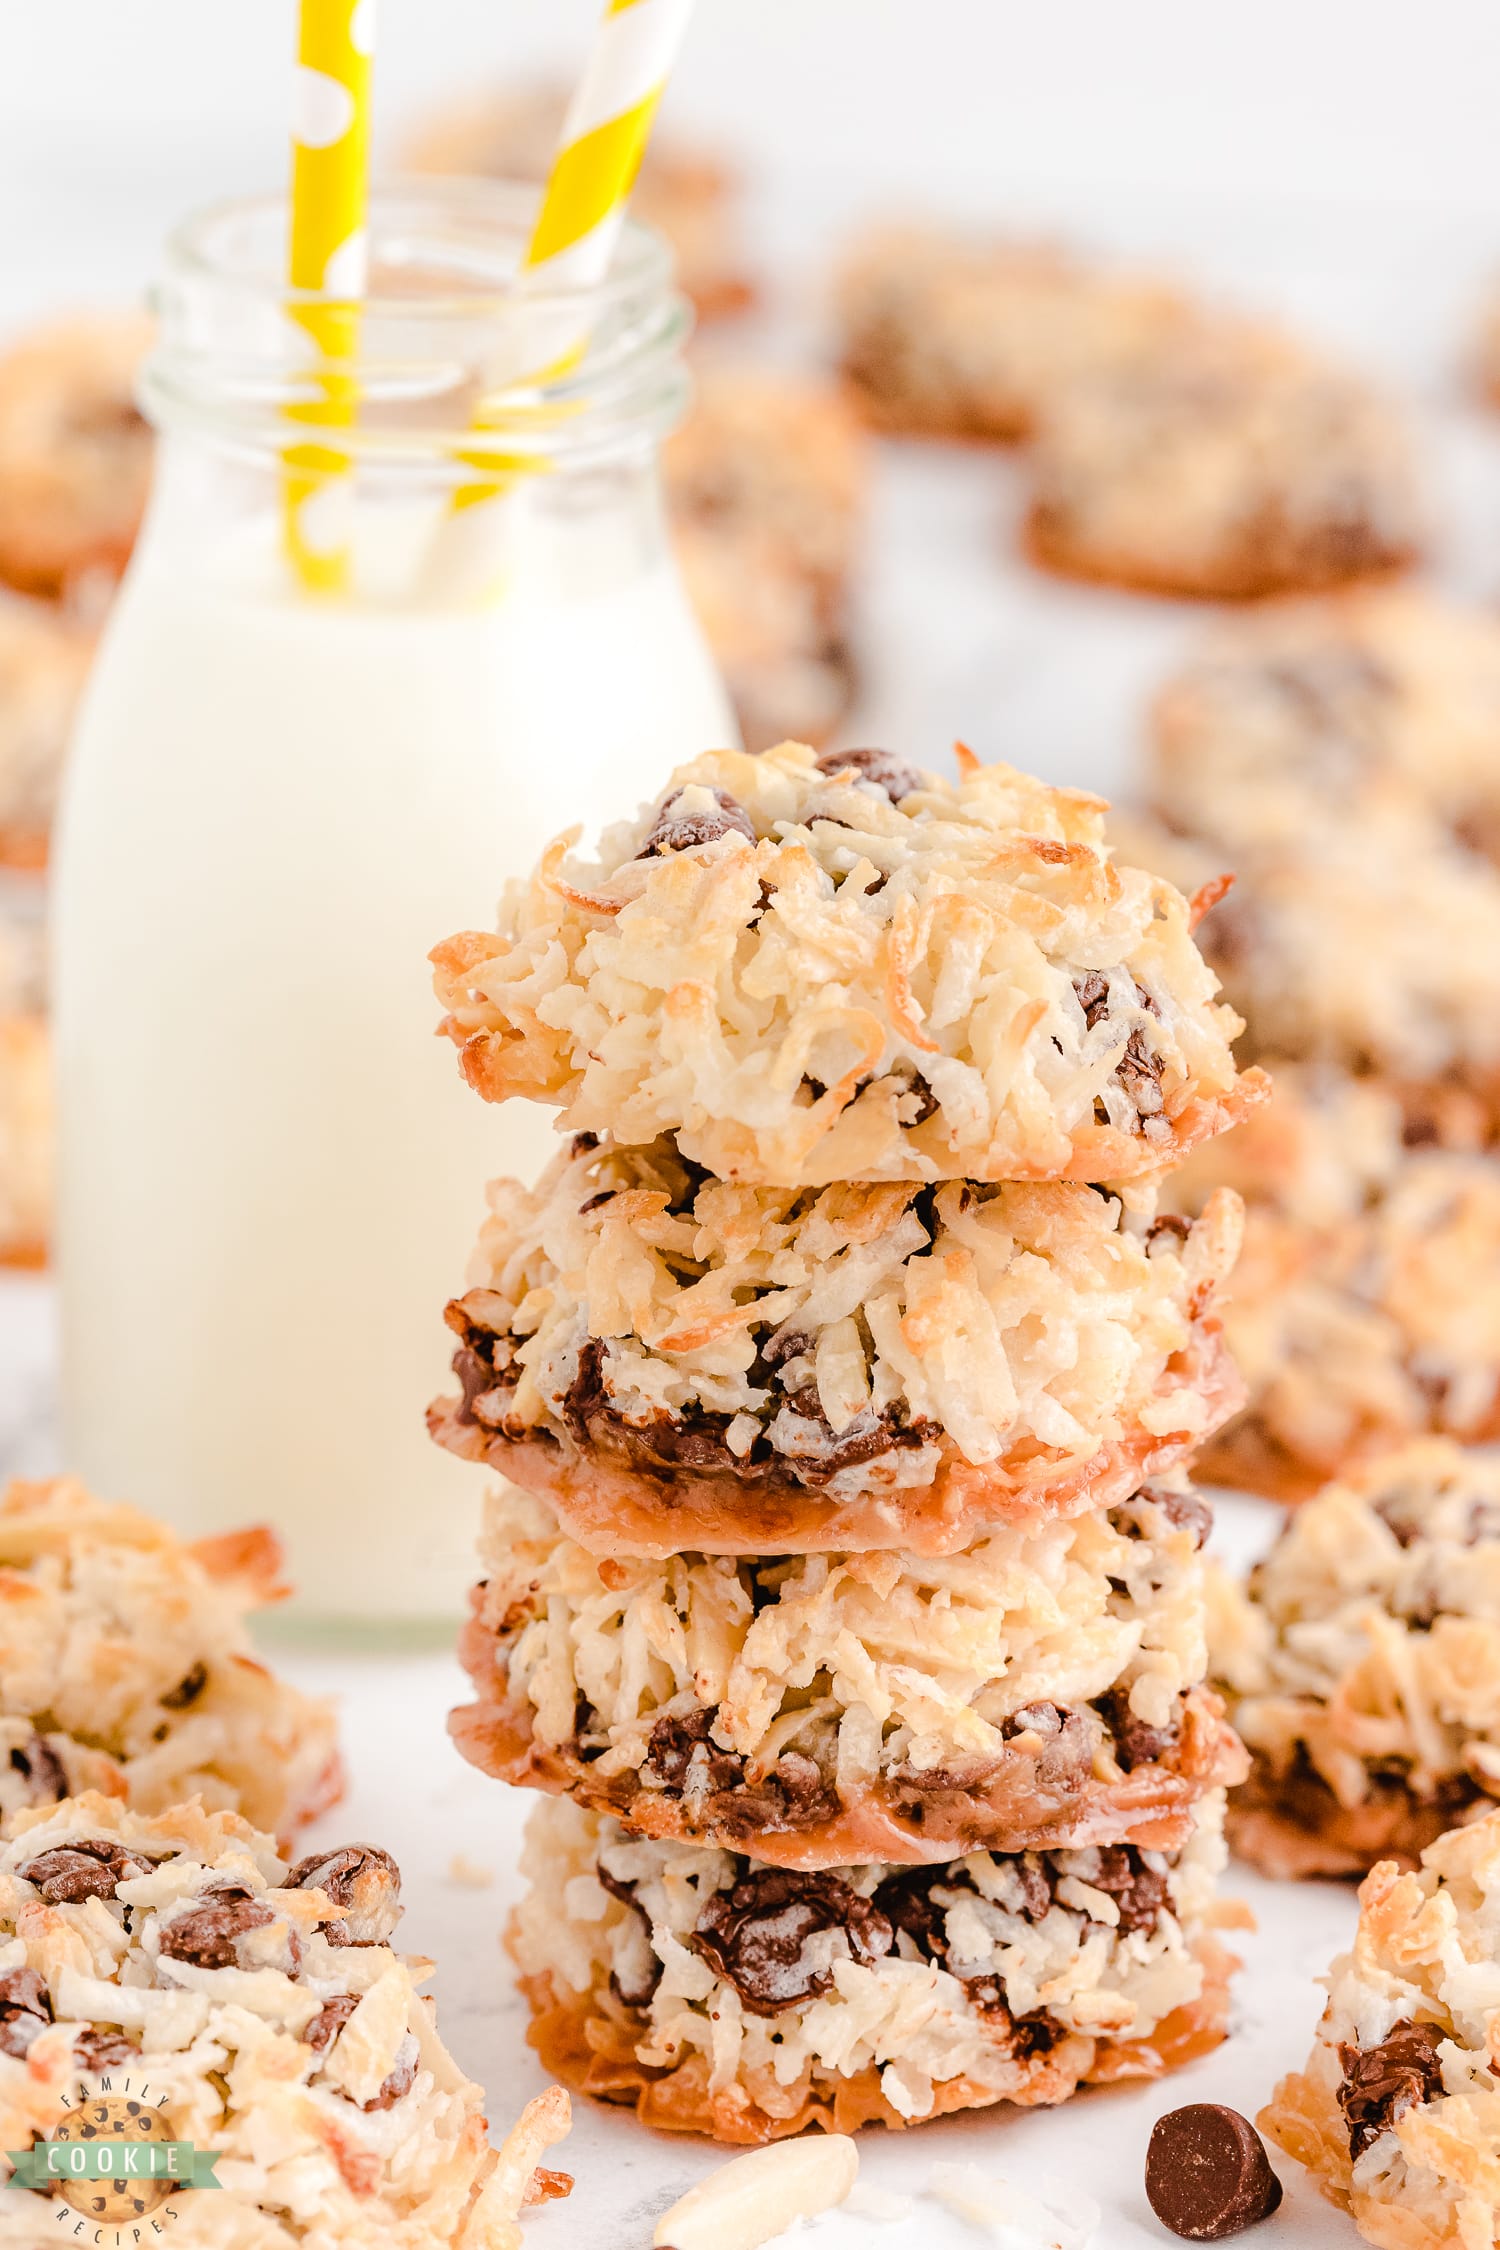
[470,1874]
[1057,2219]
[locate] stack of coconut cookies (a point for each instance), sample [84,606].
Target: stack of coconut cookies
[845,1594]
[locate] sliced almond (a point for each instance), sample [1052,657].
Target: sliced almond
[757,2196]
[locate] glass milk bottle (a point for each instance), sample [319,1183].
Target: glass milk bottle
[271,1174]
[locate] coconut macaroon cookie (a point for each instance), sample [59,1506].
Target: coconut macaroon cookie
[44,657]
[1397,2113]
[961,338]
[779,641]
[718,1995]
[766,485]
[812,970]
[677,1360]
[1359,949]
[266,2010]
[1485,351]
[1340,759]
[1380,707]
[125,1667]
[764,454]
[26,1122]
[1040,1689]
[75,454]
[1362,1665]
[1232,464]
[1364,1308]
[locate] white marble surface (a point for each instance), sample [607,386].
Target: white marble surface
[409,1790]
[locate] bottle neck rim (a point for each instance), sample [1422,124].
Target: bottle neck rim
[452,355]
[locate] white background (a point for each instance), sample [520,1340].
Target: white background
[113,113]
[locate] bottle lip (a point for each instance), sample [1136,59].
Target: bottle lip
[238,245]
[450,323]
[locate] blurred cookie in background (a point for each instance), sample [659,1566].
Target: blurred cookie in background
[44,658]
[776,455]
[787,669]
[766,484]
[26,1121]
[1377,706]
[1341,759]
[75,453]
[1228,463]
[685,191]
[127,1667]
[1361,1664]
[945,335]
[1364,1310]
[1484,350]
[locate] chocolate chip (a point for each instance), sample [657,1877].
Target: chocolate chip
[330,2020]
[916,1089]
[1207,2173]
[1381,2083]
[586,1396]
[362,1879]
[42,1769]
[1035,1878]
[400,2081]
[682,832]
[325,2028]
[91,1867]
[103,2050]
[681,1750]
[907,1903]
[1045,1719]
[1185,1510]
[642,1991]
[208,1936]
[1171,1225]
[25,2010]
[1135,1744]
[1139,1070]
[875,766]
[188,1688]
[756,1935]
[1139,1891]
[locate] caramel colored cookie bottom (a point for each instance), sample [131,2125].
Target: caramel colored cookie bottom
[1246,572]
[1023,1806]
[613,1508]
[588,2041]
[1291,1825]
[896,413]
[1245,1457]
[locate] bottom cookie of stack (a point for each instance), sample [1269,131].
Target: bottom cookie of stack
[715,1994]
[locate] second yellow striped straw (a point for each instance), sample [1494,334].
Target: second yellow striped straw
[583,204]
[327,256]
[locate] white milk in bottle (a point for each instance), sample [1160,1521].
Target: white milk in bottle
[271,1171]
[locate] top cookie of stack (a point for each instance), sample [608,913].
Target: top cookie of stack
[811,969]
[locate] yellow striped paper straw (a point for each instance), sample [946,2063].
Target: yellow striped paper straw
[328,254]
[604,138]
